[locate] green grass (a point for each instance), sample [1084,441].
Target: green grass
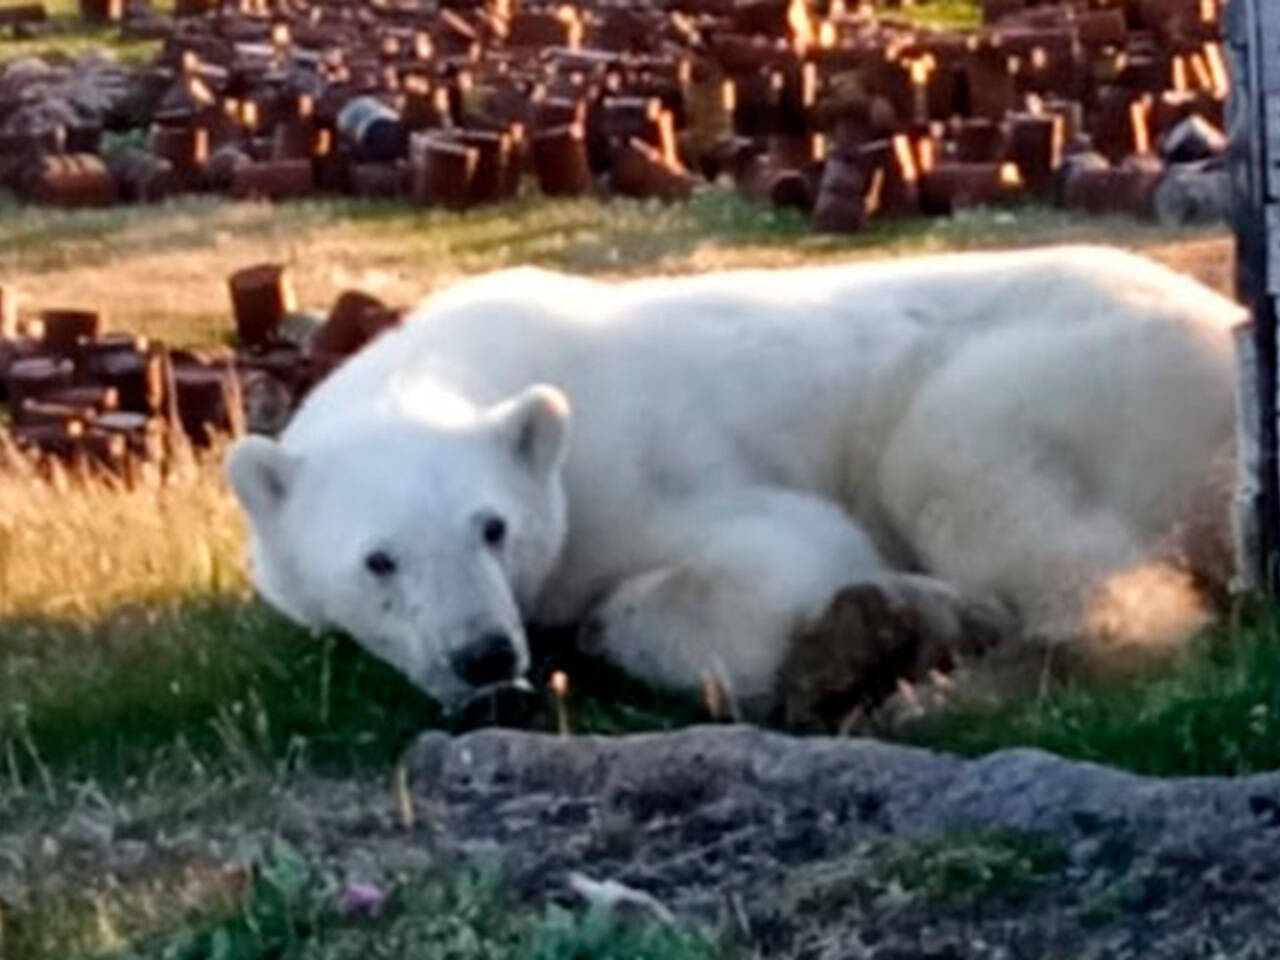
[285,906]
[958,869]
[223,685]
[941,13]
[215,682]
[66,36]
[949,871]
[290,911]
[71,39]
[1215,711]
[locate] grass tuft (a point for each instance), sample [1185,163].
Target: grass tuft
[68,38]
[291,910]
[1216,710]
[967,867]
[942,14]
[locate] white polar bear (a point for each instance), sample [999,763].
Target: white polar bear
[1030,428]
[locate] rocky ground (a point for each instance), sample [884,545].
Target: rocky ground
[800,848]
[830,848]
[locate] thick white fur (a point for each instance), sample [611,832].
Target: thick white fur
[1033,427]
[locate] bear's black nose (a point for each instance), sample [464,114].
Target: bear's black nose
[489,660]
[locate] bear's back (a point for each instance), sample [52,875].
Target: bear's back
[488,336]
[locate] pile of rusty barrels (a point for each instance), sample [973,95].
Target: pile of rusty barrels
[834,107]
[82,396]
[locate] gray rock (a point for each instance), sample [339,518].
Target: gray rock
[713,816]
[1193,194]
[741,773]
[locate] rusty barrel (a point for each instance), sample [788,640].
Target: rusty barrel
[126,364]
[204,399]
[1035,145]
[442,171]
[841,205]
[268,180]
[560,161]
[261,296]
[640,170]
[355,319]
[72,180]
[379,181]
[372,130]
[32,378]
[494,154]
[953,186]
[185,147]
[65,329]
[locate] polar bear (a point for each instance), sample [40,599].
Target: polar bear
[692,467]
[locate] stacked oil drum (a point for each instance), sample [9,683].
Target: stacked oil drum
[282,351]
[96,400]
[836,108]
[77,392]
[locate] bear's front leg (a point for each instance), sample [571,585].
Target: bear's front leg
[878,639]
[679,627]
[735,578]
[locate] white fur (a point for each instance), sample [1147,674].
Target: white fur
[1023,426]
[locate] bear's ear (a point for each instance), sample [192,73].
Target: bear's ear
[534,426]
[260,473]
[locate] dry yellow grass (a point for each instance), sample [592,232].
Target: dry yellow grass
[76,550]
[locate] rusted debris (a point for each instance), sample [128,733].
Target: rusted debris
[452,106]
[261,296]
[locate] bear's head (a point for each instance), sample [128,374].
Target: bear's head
[423,541]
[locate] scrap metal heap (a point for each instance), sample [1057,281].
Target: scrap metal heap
[97,401]
[844,112]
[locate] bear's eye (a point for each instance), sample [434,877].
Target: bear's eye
[494,531]
[380,564]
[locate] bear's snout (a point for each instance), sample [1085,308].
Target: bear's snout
[490,660]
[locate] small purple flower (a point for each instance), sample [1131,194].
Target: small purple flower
[363,899]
